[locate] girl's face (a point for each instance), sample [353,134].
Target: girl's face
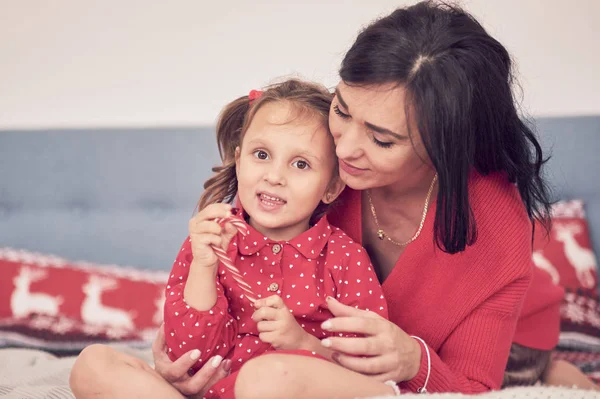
[285,167]
[371,135]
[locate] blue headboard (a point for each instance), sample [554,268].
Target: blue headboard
[124,196]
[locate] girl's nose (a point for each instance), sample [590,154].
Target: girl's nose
[275,177]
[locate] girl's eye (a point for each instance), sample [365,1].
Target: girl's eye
[338,112]
[260,154]
[382,144]
[301,164]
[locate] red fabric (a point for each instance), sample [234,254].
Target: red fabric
[566,253]
[539,322]
[55,304]
[224,389]
[466,305]
[321,261]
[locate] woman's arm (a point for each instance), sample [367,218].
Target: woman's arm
[472,359]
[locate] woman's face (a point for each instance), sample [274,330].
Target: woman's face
[371,135]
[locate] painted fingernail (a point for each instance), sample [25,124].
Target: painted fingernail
[326,342]
[226,365]
[216,361]
[326,325]
[195,355]
[330,298]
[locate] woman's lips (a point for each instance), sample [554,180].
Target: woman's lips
[351,170]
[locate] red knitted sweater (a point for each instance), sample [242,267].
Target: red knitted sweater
[466,306]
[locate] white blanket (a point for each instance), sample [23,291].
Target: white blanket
[32,374]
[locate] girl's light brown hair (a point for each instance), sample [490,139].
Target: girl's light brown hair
[306,97]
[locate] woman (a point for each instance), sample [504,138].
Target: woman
[445,182]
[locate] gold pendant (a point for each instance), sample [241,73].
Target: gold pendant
[380,234]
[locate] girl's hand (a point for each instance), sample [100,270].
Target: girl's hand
[277,326]
[384,352]
[176,373]
[204,232]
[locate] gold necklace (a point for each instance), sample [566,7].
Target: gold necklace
[382,235]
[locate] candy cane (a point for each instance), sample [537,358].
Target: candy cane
[222,255]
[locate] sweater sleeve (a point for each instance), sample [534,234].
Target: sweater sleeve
[357,283]
[213,331]
[474,356]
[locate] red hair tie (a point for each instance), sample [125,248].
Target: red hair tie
[254,94]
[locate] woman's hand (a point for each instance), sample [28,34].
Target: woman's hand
[384,352]
[204,232]
[176,373]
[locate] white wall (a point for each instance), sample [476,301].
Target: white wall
[66,63]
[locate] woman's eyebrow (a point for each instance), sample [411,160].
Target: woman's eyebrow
[383,130]
[371,126]
[340,98]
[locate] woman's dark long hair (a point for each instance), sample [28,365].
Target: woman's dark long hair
[458,81]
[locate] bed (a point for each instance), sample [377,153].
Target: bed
[114,203]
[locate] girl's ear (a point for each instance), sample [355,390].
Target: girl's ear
[237,160]
[334,190]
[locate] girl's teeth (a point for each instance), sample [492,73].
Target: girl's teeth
[268,198]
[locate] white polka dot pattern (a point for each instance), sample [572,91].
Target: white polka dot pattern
[321,262]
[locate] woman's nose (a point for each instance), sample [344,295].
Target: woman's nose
[348,143]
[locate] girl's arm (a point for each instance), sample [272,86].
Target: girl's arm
[196,311]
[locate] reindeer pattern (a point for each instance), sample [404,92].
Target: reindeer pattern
[23,302]
[543,263]
[94,312]
[582,259]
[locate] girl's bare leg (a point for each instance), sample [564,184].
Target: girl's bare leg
[277,376]
[102,372]
[562,373]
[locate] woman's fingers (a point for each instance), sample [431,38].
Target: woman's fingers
[340,310]
[200,381]
[374,366]
[159,346]
[368,346]
[178,370]
[353,324]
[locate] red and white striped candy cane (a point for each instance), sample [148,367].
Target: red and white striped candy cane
[222,255]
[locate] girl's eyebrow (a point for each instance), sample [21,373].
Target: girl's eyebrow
[371,126]
[306,154]
[301,153]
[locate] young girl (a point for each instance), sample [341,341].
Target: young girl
[279,158]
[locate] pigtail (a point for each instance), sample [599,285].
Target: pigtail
[222,186]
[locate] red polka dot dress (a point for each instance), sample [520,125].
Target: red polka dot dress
[323,261]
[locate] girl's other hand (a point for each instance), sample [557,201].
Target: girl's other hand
[205,232]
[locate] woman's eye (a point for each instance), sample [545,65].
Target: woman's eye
[260,154]
[382,144]
[301,164]
[338,112]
